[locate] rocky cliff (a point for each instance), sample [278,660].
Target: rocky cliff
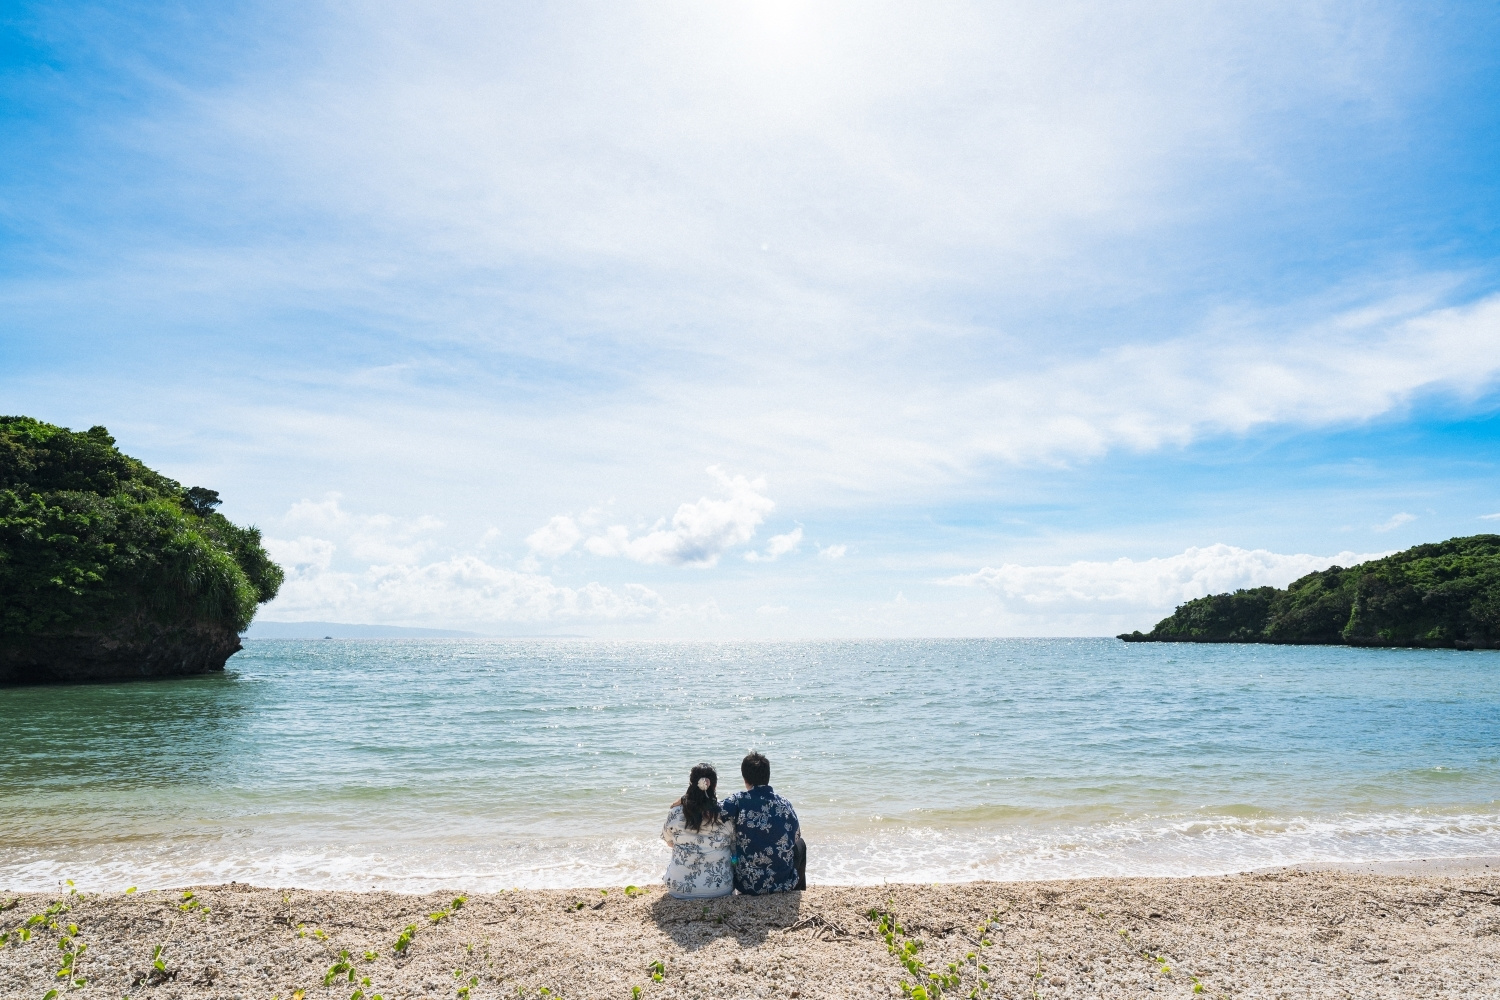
[109,570]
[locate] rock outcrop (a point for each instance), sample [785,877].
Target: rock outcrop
[111,571]
[1444,595]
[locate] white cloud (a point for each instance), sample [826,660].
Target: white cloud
[772,609]
[1396,521]
[371,570]
[462,590]
[1489,517]
[1160,583]
[376,538]
[1237,374]
[832,551]
[554,538]
[301,553]
[699,533]
[777,546]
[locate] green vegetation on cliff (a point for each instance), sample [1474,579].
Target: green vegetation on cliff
[94,544]
[1445,594]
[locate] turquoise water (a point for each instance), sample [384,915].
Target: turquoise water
[408,764]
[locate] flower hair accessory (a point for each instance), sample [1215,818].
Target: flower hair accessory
[703,783]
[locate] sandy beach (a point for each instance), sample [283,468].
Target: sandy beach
[1405,931]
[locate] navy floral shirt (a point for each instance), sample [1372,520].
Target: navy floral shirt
[766,828]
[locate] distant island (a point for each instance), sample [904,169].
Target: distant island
[1444,595]
[109,570]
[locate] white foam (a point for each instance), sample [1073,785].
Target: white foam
[1171,846]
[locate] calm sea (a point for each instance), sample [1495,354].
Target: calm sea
[411,764]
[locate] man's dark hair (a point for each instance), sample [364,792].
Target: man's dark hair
[756,769]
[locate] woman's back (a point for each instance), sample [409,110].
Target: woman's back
[700,867]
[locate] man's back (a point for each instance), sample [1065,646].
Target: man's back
[766,829]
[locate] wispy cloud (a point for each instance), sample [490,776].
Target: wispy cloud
[777,546]
[1489,517]
[832,551]
[554,538]
[1160,583]
[1395,521]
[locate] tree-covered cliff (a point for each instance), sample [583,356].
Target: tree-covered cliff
[108,569]
[1445,594]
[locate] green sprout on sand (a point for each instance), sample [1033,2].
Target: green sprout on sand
[927,984]
[72,953]
[658,970]
[465,987]
[404,941]
[452,908]
[344,965]
[192,904]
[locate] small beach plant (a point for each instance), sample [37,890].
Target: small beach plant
[927,984]
[438,916]
[72,950]
[159,970]
[404,940]
[344,965]
[192,904]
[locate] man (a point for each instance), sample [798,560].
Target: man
[770,854]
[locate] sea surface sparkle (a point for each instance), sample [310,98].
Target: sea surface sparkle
[487,764]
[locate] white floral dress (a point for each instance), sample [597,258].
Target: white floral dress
[700,867]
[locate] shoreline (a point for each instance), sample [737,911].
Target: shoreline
[1461,865]
[1310,931]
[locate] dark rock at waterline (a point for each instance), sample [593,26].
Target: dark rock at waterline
[1458,644]
[148,651]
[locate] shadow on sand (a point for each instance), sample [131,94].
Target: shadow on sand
[748,919]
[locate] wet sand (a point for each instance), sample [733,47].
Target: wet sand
[1293,932]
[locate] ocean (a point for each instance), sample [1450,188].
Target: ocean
[478,764]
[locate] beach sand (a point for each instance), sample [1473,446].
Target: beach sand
[1333,932]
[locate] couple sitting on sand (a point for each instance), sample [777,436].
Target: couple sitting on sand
[751,841]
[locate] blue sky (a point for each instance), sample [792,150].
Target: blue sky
[772,319]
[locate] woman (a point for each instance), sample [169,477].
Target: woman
[701,841]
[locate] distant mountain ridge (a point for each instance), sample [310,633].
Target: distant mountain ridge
[1441,595]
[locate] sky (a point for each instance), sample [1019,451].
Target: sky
[775,319]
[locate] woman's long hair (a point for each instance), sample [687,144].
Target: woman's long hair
[699,805]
